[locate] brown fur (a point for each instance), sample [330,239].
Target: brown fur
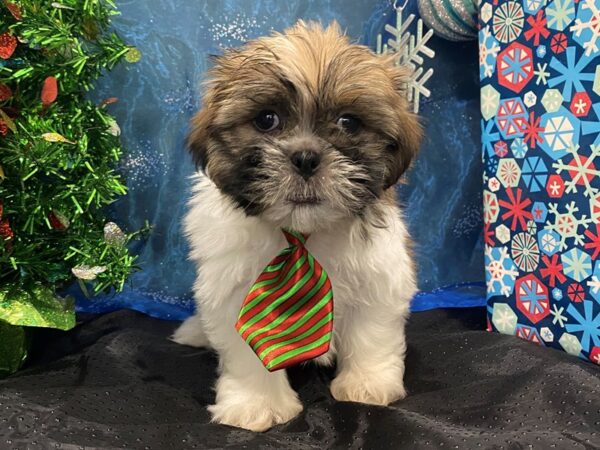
[310,76]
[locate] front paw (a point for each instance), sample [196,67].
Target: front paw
[253,411]
[368,388]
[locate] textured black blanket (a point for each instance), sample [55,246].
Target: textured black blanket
[117,382]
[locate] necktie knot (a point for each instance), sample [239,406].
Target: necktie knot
[294,238]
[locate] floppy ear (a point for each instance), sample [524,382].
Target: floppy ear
[408,131]
[197,140]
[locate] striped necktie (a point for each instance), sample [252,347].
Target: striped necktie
[287,317]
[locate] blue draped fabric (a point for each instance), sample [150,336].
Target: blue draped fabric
[159,95]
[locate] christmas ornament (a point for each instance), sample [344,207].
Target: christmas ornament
[409,47]
[455,20]
[8,121]
[133,55]
[8,45]
[49,91]
[58,220]
[55,137]
[6,231]
[109,101]
[2,175]
[61,6]
[5,93]
[88,273]
[113,235]
[14,10]
[113,128]
[287,317]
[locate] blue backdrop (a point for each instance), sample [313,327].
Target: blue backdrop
[158,96]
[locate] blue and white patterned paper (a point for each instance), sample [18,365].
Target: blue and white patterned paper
[540,104]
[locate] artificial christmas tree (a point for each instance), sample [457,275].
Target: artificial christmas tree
[58,152]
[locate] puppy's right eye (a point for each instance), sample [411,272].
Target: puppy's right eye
[266,121]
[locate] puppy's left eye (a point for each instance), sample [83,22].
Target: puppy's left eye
[349,123]
[266,121]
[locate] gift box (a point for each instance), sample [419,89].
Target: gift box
[540,121]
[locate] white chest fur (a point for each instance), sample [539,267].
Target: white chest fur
[231,249]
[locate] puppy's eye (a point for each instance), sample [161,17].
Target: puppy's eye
[349,123]
[266,121]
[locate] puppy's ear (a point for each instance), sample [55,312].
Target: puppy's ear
[408,132]
[197,140]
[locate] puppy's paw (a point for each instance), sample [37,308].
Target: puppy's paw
[256,413]
[191,332]
[367,388]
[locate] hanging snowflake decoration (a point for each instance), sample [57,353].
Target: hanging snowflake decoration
[410,49]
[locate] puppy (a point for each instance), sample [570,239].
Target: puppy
[307,131]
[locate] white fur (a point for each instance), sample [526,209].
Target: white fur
[373,282]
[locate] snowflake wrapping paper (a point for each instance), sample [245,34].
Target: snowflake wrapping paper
[540,105]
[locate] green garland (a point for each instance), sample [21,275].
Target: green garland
[58,151]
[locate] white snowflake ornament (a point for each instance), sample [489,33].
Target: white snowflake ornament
[410,49]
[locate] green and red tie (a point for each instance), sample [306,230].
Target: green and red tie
[287,317]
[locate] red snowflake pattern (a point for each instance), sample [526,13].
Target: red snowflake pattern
[594,243]
[559,43]
[532,131]
[516,209]
[538,28]
[552,269]
[576,293]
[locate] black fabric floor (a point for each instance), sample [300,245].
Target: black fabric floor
[117,382]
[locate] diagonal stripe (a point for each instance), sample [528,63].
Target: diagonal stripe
[282,313]
[317,351]
[295,345]
[275,293]
[323,296]
[253,300]
[266,342]
[293,304]
[270,364]
[287,315]
[289,291]
[268,278]
[312,330]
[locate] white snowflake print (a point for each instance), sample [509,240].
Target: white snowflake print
[594,285]
[558,316]
[560,13]
[581,169]
[541,73]
[488,51]
[567,224]
[587,26]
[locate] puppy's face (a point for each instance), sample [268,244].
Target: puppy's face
[303,128]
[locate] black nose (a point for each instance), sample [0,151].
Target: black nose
[306,162]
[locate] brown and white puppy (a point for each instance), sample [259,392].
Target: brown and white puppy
[308,131]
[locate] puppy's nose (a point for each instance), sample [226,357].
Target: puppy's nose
[306,162]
